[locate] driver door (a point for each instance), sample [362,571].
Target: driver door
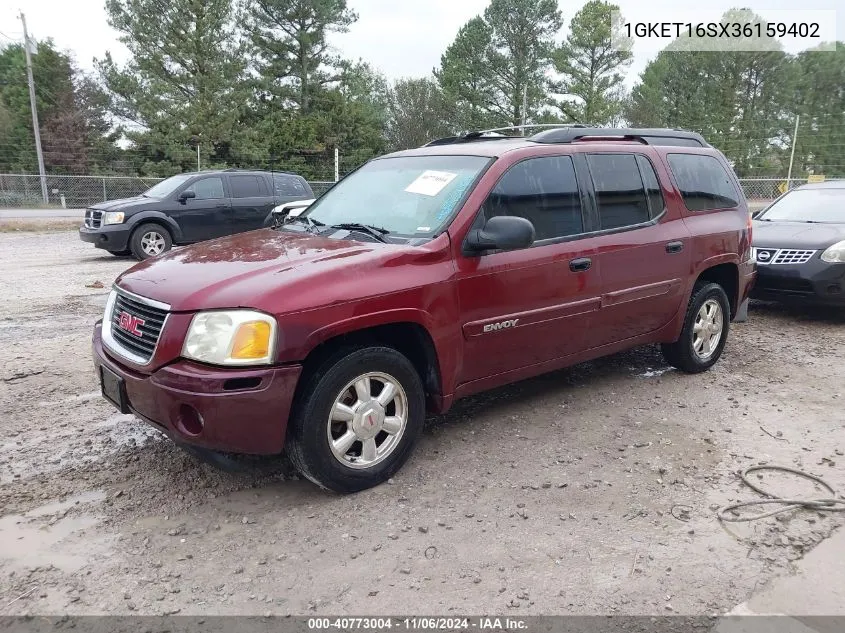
[208,215]
[530,306]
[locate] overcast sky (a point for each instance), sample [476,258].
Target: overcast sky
[403,38]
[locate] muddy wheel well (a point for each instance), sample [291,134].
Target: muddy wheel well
[410,339]
[727,276]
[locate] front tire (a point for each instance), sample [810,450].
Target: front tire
[149,240]
[359,415]
[705,330]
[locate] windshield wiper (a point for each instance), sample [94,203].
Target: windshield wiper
[376,231]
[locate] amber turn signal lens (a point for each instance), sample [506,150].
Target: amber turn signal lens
[252,341]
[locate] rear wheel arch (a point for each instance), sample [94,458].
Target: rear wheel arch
[727,276]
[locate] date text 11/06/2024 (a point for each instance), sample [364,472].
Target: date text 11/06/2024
[722,30]
[417,623]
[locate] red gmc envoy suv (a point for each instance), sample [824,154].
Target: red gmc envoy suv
[425,276]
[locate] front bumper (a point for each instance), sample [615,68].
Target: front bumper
[111,237]
[815,282]
[230,410]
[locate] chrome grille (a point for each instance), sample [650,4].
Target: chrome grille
[133,313]
[791,256]
[93,218]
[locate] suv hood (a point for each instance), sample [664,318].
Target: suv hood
[124,203]
[277,271]
[804,235]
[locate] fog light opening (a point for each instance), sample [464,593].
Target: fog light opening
[235,384]
[189,421]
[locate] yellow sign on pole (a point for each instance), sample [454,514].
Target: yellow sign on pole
[815,178]
[782,187]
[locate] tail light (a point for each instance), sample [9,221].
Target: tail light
[749,231]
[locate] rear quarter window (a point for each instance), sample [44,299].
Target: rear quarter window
[284,185]
[703,182]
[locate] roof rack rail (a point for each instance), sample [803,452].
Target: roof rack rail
[467,138]
[536,125]
[648,136]
[495,133]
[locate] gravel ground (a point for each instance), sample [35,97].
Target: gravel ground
[589,490]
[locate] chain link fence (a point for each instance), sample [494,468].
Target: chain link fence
[75,192]
[767,189]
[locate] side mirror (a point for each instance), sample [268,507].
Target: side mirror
[755,214]
[185,195]
[503,232]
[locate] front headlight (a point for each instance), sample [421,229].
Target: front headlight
[113,217]
[231,337]
[835,254]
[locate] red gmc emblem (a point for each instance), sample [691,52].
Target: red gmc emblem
[130,323]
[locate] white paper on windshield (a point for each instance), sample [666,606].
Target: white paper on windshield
[430,183]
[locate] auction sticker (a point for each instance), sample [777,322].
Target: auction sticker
[430,182]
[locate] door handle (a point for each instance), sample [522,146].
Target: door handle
[220,206]
[580,265]
[674,247]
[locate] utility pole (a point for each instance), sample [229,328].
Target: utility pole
[336,164]
[36,130]
[792,154]
[198,157]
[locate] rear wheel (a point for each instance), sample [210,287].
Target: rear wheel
[705,330]
[358,419]
[149,240]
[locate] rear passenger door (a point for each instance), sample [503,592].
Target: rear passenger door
[643,246]
[529,306]
[252,201]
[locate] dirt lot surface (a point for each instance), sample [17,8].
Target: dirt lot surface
[590,490]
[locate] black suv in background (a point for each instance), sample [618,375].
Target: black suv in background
[190,208]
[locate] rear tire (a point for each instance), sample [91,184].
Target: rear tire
[149,240]
[705,330]
[350,430]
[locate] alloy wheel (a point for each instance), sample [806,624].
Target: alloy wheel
[152,243]
[367,420]
[708,328]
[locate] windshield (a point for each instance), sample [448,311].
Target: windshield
[167,186]
[808,205]
[410,196]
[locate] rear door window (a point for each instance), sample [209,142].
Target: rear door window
[703,181]
[544,192]
[620,193]
[245,186]
[210,188]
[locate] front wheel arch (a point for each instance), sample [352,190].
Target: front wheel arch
[409,338]
[157,217]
